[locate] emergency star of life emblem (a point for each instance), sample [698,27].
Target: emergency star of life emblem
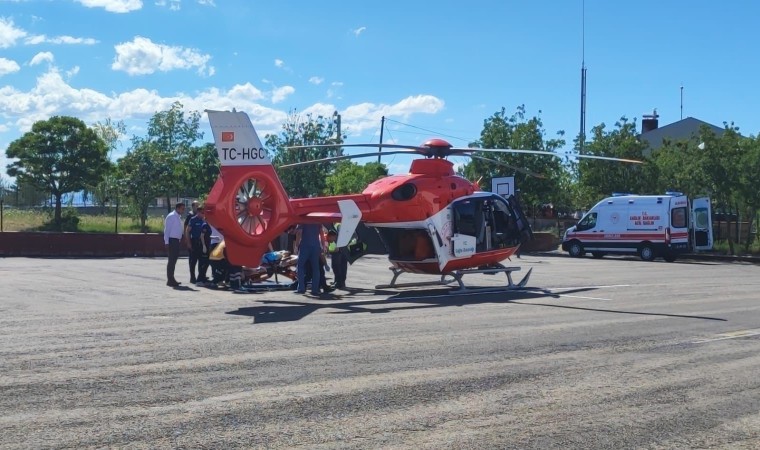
[228,136]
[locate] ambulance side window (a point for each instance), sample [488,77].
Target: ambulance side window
[587,222]
[678,218]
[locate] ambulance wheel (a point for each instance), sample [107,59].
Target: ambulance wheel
[646,252]
[576,249]
[598,255]
[669,257]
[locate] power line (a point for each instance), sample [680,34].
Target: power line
[428,131]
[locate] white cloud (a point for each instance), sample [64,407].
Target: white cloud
[206,2]
[41,57]
[141,56]
[358,31]
[332,92]
[366,116]
[42,39]
[72,72]
[316,80]
[114,6]
[52,95]
[279,63]
[9,33]
[279,94]
[174,5]
[8,66]
[320,109]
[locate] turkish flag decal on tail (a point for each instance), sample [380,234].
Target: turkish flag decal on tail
[228,136]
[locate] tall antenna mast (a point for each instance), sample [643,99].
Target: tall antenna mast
[681,101]
[582,136]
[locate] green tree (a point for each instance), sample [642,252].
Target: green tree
[749,180]
[597,178]
[144,173]
[309,180]
[716,165]
[111,132]
[352,178]
[678,166]
[60,155]
[519,132]
[172,132]
[199,168]
[721,160]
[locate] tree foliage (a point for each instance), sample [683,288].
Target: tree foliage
[199,169]
[352,178]
[60,155]
[144,174]
[309,180]
[173,133]
[598,178]
[519,132]
[106,190]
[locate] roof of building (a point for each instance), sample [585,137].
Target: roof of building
[684,129]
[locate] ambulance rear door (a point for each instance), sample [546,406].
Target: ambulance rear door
[702,224]
[678,231]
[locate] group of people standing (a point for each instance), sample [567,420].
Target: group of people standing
[312,245]
[201,238]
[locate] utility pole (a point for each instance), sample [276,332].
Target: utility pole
[338,137]
[582,137]
[380,148]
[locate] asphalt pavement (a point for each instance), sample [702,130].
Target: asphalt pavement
[611,353]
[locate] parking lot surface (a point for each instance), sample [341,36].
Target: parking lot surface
[611,353]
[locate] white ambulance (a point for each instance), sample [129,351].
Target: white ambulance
[647,225]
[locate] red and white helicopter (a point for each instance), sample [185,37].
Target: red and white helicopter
[431,220]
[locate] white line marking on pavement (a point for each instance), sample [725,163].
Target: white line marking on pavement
[729,335]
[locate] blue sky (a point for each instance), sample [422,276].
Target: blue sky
[444,66]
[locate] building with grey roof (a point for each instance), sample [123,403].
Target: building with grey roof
[682,130]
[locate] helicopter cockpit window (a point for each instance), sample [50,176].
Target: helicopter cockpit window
[464,218]
[469,219]
[406,191]
[587,222]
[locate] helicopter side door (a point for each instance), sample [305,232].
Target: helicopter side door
[483,224]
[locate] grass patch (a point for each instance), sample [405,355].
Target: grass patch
[721,246]
[35,220]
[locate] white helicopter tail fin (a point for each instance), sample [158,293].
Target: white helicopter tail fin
[237,142]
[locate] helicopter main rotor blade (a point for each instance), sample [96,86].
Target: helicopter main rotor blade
[542,152]
[339,158]
[519,169]
[504,150]
[610,158]
[410,147]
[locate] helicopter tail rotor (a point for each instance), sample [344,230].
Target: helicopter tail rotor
[248,203]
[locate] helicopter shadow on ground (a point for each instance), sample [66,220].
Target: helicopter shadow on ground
[272,311]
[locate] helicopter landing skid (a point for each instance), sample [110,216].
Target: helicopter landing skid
[457,277]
